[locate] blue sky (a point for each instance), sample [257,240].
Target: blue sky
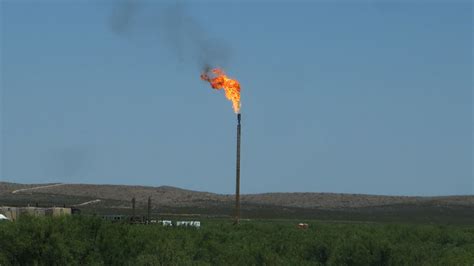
[354,97]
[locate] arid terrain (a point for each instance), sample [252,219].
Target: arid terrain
[175,201]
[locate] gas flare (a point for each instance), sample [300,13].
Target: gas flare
[219,80]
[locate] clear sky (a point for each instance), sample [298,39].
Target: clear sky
[344,96]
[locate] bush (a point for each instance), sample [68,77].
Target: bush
[80,240]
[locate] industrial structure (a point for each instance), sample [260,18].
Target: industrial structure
[237,174]
[13,213]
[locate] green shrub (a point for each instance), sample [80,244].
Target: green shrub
[81,240]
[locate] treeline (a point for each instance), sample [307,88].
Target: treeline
[84,240]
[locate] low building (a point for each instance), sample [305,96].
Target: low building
[57,211]
[13,213]
[10,212]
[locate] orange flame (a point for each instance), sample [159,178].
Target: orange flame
[218,80]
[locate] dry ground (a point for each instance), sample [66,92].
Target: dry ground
[171,200]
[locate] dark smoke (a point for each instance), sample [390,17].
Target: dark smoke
[67,162]
[176,28]
[122,15]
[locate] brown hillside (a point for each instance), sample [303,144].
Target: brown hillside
[176,197]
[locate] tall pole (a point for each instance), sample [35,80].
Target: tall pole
[133,209]
[148,210]
[237,175]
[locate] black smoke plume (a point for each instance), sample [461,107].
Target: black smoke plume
[175,27]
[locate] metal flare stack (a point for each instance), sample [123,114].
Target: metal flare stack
[220,81]
[237,174]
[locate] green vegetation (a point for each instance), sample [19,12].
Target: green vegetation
[85,240]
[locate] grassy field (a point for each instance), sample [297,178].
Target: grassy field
[85,240]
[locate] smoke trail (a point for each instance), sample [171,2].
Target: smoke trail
[177,29]
[122,15]
[67,162]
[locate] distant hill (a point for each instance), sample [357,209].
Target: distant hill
[177,197]
[172,199]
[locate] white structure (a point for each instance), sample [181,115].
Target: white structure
[303,226]
[166,223]
[196,224]
[3,218]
